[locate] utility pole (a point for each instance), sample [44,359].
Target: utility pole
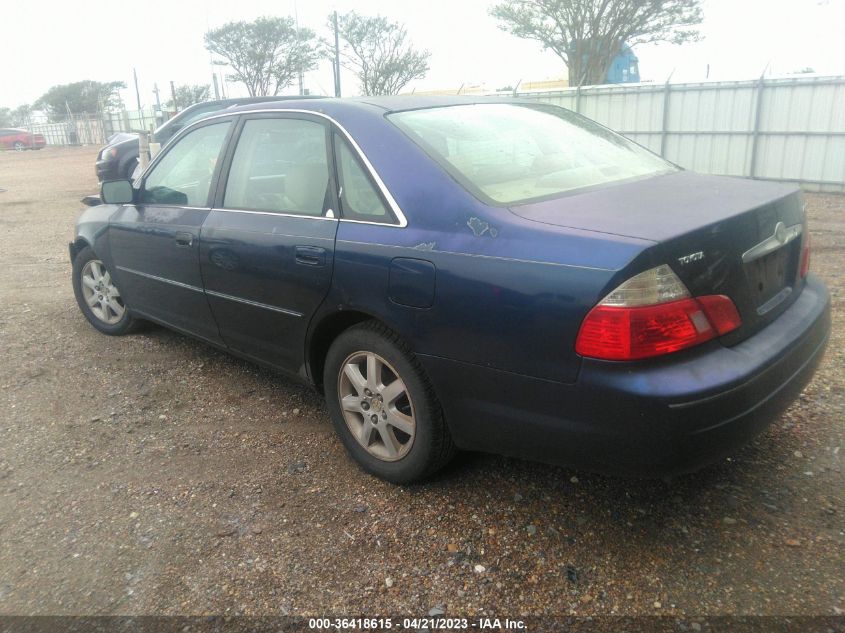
[336,57]
[296,19]
[173,95]
[158,99]
[216,87]
[137,92]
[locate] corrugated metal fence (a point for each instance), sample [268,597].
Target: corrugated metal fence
[779,129]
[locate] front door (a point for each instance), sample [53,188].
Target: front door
[267,247]
[155,243]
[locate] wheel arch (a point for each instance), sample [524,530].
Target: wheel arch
[324,333]
[77,245]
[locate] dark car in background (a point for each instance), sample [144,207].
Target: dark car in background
[119,158]
[19,139]
[484,275]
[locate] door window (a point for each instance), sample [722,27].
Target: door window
[359,199]
[280,165]
[183,175]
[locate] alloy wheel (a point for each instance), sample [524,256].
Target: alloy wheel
[376,406]
[100,293]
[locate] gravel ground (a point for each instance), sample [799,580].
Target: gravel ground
[151,474]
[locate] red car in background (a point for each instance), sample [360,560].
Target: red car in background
[19,139]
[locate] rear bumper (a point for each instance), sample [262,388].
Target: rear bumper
[648,418]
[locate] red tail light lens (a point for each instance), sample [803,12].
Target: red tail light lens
[632,332]
[805,257]
[721,312]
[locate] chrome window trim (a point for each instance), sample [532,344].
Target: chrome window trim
[403,222]
[158,205]
[275,213]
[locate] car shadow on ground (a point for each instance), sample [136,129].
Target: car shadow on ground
[722,487]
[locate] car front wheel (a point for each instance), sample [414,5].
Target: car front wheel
[19,146]
[383,407]
[98,296]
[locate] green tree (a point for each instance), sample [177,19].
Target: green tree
[81,96]
[376,50]
[267,54]
[5,117]
[587,34]
[187,94]
[21,115]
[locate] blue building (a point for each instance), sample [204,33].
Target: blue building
[625,68]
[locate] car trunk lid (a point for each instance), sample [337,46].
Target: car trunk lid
[721,235]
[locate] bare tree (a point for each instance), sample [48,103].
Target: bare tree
[588,34]
[376,50]
[267,54]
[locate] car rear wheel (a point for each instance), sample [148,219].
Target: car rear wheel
[98,296]
[19,146]
[383,407]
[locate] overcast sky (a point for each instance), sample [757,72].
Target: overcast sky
[53,42]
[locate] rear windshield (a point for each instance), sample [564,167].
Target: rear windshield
[508,153]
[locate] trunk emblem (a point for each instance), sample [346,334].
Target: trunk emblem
[692,257]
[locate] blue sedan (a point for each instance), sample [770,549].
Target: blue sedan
[483,275]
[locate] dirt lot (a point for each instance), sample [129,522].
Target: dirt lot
[153,474]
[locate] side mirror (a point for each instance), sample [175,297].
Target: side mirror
[117,192]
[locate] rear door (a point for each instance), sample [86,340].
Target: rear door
[267,247]
[155,243]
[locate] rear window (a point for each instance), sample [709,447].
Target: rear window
[508,153]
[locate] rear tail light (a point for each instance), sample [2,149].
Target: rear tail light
[805,257]
[653,314]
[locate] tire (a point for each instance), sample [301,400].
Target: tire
[109,315]
[19,146]
[397,416]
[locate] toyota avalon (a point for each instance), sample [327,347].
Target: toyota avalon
[487,275]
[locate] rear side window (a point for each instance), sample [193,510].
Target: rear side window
[280,165]
[359,198]
[183,175]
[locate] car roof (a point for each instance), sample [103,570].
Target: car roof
[390,104]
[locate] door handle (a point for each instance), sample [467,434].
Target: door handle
[310,255]
[184,240]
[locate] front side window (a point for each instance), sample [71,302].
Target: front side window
[183,175]
[280,165]
[507,153]
[359,199]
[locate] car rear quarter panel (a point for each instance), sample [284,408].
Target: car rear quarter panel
[509,294]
